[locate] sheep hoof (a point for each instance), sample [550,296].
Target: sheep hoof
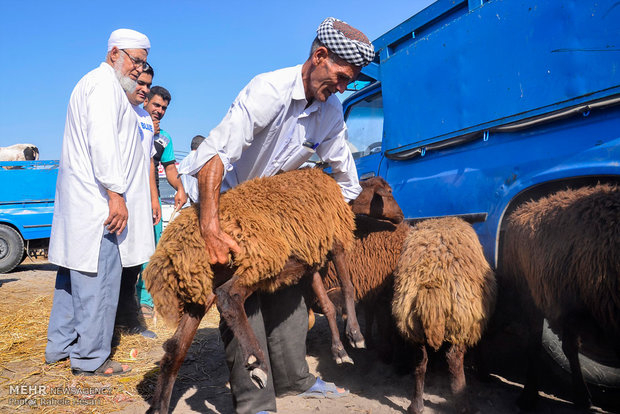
[360,344]
[259,377]
[344,360]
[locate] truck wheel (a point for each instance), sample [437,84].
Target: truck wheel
[11,248]
[599,364]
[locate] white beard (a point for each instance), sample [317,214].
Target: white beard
[129,85]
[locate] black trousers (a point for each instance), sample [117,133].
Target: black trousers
[127,312]
[280,322]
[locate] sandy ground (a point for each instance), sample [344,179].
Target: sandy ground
[375,387]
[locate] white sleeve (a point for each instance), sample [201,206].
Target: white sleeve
[253,109]
[336,152]
[102,120]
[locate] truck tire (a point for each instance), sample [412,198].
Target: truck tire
[11,248]
[600,367]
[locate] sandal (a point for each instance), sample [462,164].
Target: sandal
[147,311]
[322,389]
[107,369]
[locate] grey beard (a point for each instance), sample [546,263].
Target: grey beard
[129,85]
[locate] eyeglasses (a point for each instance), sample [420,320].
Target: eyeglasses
[138,62]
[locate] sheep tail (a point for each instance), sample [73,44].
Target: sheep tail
[421,303]
[432,318]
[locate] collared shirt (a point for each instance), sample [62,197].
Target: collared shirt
[266,128]
[101,151]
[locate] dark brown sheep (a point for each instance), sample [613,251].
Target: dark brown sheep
[370,262]
[562,254]
[285,226]
[444,291]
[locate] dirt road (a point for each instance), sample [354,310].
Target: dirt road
[202,383]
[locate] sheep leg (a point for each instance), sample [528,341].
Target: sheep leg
[369,319]
[454,356]
[352,330]
[231,296]
[570,346]
[417,398]
[329,310]
[176,349]
[385,329]
[529,396]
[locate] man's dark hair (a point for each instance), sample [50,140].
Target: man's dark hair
[161,91]
[196,141]
[149,71]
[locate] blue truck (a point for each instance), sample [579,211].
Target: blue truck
[26,209]
[473,107]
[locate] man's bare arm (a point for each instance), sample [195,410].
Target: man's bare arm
[172,175]
[154,196]
[218,243]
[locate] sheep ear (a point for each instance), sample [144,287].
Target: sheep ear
[383,192]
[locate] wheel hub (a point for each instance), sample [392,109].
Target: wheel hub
[4,249]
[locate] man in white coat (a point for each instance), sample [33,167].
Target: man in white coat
[102,209]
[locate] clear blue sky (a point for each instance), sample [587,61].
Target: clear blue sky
[204,52]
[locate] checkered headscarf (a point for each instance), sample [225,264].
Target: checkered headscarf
[345,41]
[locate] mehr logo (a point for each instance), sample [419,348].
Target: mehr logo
[27,389]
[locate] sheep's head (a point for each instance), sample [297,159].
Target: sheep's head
[376,200]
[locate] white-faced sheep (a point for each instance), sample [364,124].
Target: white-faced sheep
[19,152]
[285,226]
[444,291]
[562,254]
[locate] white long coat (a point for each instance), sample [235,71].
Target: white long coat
[101,150]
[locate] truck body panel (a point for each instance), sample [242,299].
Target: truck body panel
[507,60]
[27,196]
[481,104]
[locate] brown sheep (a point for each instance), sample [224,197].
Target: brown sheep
[285,226]
[444,291]
[562,254]
[370,262]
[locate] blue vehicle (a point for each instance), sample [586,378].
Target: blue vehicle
[474,107]
[26,209]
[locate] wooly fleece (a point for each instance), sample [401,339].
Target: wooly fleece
[372,259]
[299,214]
[564,250]
[444,289]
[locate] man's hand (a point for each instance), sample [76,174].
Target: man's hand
[218,245]
[156,211]
[117,220]
[156,126]
[180,198]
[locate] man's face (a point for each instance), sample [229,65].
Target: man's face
[156,107]
[128,67]
[144,86]
[329,77]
